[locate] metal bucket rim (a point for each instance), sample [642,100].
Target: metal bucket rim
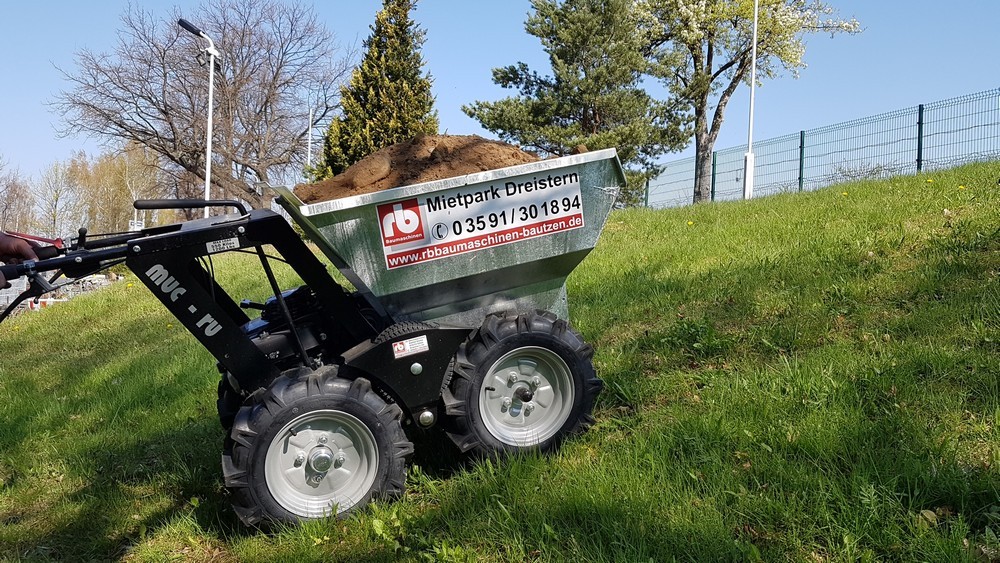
[350,202]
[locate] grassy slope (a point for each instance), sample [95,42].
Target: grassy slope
[802,377]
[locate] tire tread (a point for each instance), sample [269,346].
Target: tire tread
[251,501]
[495,330]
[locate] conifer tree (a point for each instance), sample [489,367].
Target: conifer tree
[594,95]
[389,97]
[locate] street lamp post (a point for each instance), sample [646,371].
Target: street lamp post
[212,53]
[309,139]
[748,164]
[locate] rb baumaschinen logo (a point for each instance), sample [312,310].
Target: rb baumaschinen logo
[400,222]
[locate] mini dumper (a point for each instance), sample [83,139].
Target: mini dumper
[456,321]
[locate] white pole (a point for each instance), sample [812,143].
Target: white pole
[748,163]
[309,143]
[212,53]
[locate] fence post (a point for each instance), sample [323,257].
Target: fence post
[920,137]
[646,198]
[802,158]
[714,153]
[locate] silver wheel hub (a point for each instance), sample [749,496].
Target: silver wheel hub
[527,396]
[321,459]
[321,463]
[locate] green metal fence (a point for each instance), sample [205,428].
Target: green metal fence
[927,137]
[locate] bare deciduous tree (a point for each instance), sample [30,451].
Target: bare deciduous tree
[16,201]
[109,184]
[60,210]
[277,62]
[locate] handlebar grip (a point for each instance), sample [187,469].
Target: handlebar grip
[46,252]
[11,271]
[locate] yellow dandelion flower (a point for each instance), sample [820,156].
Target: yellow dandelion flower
[690,223]
[128,285]
[170,325]
[843,193]
[930,180]
[961,187]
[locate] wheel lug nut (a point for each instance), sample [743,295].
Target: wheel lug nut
[512,378]
[300,459]
[507,403]
[322,439]
[339,461]
[536,381]
[528,408]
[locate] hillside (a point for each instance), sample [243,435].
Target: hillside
[804,377]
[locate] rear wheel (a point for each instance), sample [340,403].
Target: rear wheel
[520,382]
[314,446]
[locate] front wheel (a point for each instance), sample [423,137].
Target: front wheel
[314,445]
[520,382]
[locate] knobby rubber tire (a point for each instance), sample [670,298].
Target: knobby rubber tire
[302,393]
[230,401]
[228,404]
[541,341]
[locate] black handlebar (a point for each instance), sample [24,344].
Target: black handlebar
[10,271]
[81,262]
[188,203]
[46,252]
[107,248]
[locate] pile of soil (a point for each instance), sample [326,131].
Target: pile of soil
[421,159]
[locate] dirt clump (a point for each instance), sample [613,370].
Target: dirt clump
[422,159]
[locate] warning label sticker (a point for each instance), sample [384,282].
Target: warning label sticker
[409,347]
[223,245]
[467,219]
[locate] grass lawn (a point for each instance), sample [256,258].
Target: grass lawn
[804,377]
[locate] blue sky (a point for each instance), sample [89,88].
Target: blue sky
[910,52]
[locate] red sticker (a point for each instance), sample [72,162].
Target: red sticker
[400,222]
